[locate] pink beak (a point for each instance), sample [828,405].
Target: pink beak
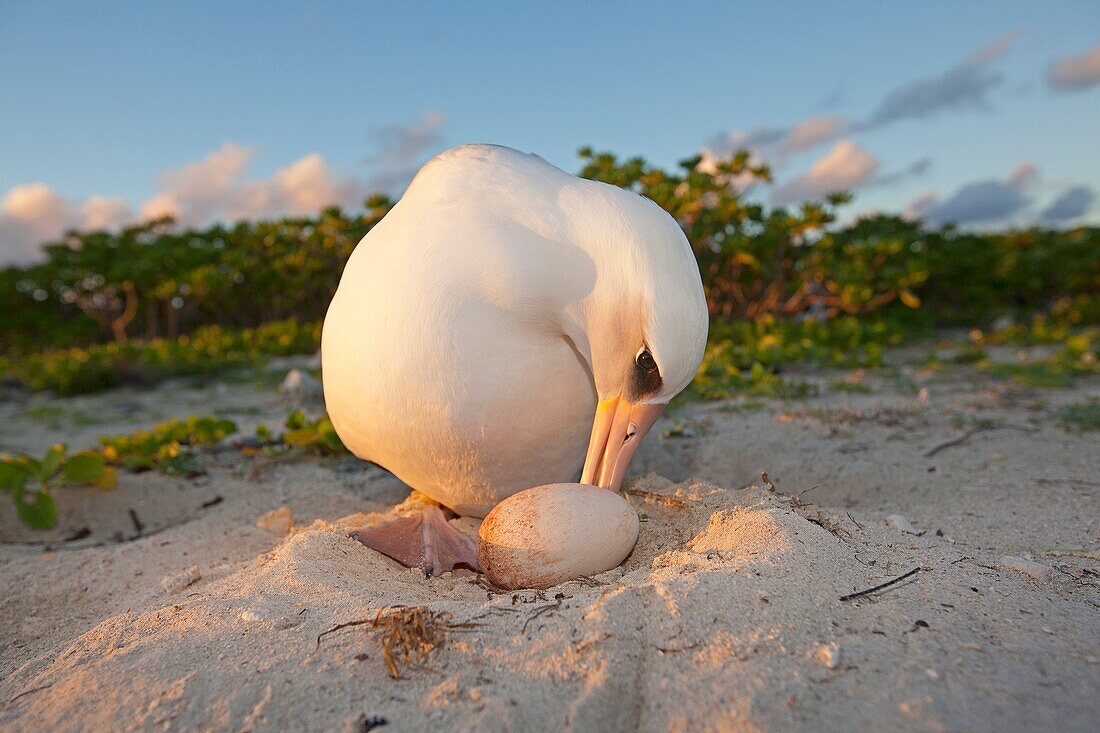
[617,431]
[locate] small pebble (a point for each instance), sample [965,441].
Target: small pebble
[277,521]
[278,620]
[300,388]
[897,521]
[179,581]
[1030,568]
[828,655]
[932,674]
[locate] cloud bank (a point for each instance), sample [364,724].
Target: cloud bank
[988,201]
[1072,204]
[218,188]
[964,86]
[845,166]
[33,213]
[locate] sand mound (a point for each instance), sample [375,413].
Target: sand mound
[219,653]
[727,616]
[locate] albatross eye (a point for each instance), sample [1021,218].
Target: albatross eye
[645,361]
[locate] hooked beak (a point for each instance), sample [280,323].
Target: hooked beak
[617,431]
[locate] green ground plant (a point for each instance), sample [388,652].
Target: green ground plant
[1075,355]
[29,480]
[167,447]
[316,435]
[1084,416]
[210,350]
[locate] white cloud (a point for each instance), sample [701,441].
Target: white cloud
[919,207]
[163,204]
[773,145]
[199,191]
[844,167]
[811,133]
[104,212]
[218,188]
[1076,72]
[214,188]
[34,213]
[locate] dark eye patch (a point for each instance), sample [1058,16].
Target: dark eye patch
[645,378]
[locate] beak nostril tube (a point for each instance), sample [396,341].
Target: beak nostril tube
[618,428]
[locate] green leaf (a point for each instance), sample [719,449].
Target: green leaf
[84,468]
[109,478]
[12,475]
[296,420]
[300,438]
[52,462]
[40,512]
[138,461]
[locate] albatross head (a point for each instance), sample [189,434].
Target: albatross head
[645,323]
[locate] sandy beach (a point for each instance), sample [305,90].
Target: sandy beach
[162,605]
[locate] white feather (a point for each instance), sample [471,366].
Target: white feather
[476,323]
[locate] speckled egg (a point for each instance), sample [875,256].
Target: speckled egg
[547,535]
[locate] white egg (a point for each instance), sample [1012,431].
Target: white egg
[550,534]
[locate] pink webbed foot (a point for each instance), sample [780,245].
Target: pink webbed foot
[423,540]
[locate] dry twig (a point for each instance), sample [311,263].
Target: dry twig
[410,633]
[539,611]
[972,432]
[880,586]
[1071,481]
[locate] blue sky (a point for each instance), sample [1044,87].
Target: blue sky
[112,110]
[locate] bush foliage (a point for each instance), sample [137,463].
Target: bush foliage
[782,284]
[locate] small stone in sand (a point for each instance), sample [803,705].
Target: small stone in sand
[278,620]
[897,521]
[1030,568]
[300,388]
[277,521]
[829,655]
[179,581]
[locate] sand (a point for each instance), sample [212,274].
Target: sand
[727,615]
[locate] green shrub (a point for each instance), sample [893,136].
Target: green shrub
[209,350]
[784,285]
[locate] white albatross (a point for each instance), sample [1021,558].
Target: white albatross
[503,316]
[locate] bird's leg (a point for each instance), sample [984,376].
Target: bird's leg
[423,540]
